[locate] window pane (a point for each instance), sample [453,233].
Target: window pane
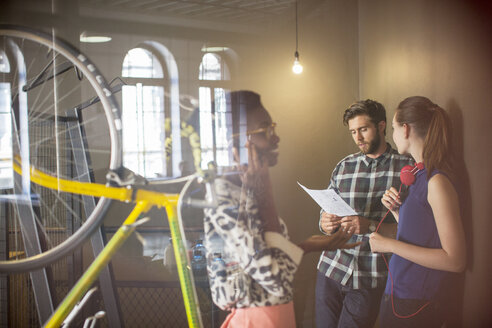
[213,67]
[6,173]
[153,99]
[210,67]
[223,157]
[154,131]
[131,161]
[207,156]
[143,129]
[206,131]
[129,118]
[141,63]
[223,128]
[4,63]
[215,122]
[154,164]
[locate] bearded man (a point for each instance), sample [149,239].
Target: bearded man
[350,282]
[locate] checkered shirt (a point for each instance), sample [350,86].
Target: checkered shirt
[361,181]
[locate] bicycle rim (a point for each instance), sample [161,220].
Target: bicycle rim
[58,112]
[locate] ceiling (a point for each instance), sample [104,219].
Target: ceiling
[243,12]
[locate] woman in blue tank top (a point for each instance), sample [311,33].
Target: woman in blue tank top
[430,240]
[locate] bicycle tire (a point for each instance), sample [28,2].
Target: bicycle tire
[51,77]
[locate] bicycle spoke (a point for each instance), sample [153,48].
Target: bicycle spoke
[49,80]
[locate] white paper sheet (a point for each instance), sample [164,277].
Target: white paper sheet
[330,201]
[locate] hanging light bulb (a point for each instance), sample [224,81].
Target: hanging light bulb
[297,67]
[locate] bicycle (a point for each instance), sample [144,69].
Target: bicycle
[47,179]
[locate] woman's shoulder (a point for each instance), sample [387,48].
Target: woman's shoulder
[439,176]
[440,184]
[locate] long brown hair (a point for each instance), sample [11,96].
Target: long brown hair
[430,122]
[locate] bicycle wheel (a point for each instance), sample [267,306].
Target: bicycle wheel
[59,116]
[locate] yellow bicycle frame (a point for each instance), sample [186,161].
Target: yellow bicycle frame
[144,200]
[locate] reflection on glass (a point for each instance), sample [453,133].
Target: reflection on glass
[206,131]
[215,121]
[6,172]
[143,116]
[213,68]
[141,63]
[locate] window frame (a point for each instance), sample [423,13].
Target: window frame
[226,85]
[165,83]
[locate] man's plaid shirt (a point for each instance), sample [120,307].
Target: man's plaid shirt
[361,181]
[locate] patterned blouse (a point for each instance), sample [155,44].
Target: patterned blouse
[247,267]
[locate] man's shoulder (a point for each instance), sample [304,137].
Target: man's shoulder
[391,153]
[350,158]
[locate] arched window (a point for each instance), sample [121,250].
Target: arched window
[215,119]
[6,178]
[144,113]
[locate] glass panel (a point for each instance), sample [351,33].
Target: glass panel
[206,131]
[141,63]
[143,129]
[4,63]
[154,164]
[223,157]
[210,68]
[207,156]
[154,131]
[131,160]
[130,133]
[6,172]
[213,67]
[223,127]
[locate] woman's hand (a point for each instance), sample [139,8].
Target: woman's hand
[255,175]
[338,240]
[379,244]
[391,199]
[256,178]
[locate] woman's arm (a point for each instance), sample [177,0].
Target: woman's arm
[443,200]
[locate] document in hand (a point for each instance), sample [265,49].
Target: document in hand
[330,201]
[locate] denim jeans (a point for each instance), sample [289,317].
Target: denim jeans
[341,306]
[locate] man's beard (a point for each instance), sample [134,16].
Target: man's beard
[373,145]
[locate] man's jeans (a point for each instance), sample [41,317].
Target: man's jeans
[340,306]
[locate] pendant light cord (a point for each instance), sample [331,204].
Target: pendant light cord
[296,29]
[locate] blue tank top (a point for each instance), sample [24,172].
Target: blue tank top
[416,226]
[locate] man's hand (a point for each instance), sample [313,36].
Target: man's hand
[359,223]
[329,222]
[338,240]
